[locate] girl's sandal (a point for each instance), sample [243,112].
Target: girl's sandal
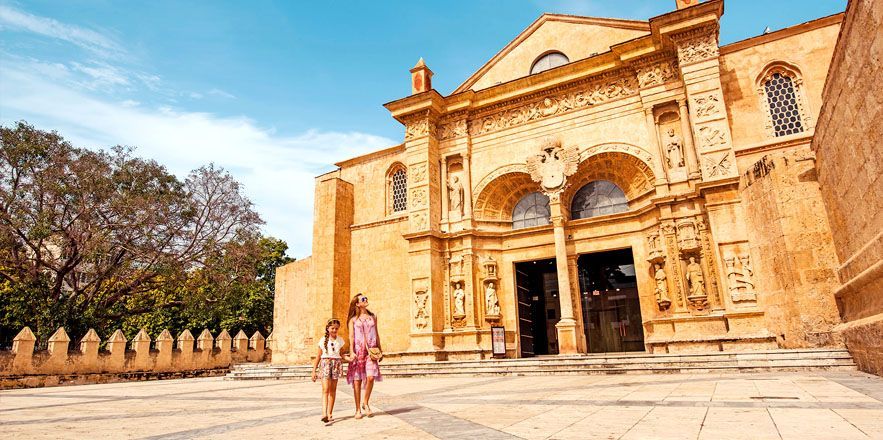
[325,419]
[358,416]
[368,411]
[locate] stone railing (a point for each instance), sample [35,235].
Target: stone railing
[170,357]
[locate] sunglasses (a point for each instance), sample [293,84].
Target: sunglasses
[363,299]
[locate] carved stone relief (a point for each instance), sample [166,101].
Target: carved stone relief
[740,278]
[707,106]
[418,127]
[582,96]
[492,301]
[657,73]
[421,300]
[452,130]
[716,165]
[419,221]
[693,48]
[456,268]
[712,137]
[418,173]
[418,198]
[687,239]
[553,165]
[655,252]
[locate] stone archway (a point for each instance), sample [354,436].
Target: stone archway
[632,174]
[499,191]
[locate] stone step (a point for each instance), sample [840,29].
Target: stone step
[606,363]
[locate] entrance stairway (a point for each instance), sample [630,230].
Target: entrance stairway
[604,363]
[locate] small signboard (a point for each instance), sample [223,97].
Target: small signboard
[498,341]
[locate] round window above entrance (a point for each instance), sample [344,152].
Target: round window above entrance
[548,61]
[531,210]
[596,198]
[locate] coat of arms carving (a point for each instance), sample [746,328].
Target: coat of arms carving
[553,165]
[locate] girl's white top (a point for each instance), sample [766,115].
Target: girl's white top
[333,350]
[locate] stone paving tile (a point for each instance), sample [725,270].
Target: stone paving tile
[703,406]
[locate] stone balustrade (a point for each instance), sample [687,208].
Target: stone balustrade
[169,357]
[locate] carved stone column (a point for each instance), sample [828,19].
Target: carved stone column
[689,146]
[576,299]
[469,285]
[467,190]
[661,176]
[444,191]
[567,337]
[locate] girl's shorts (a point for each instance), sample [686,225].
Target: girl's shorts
[330,368]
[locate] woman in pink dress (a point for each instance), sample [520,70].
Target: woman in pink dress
[362,370]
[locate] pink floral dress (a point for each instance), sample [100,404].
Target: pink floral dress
[363,367]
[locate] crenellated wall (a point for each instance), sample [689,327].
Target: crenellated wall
[169,358]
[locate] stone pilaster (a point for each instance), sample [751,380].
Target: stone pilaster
[567,327]
[700,67]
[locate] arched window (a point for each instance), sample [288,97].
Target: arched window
[397,189]
[596,198]
[548,61]
[781,95]
[531,210]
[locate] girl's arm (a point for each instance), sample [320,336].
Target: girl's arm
[316,363]
[351,337]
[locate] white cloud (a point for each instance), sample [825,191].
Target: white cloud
[86,38]
[277,171]
[101,75]
[221,93]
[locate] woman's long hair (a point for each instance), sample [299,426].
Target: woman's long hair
[354,308]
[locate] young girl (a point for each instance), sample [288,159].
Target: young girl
[329,363]
[364,368]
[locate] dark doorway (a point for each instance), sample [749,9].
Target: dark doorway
[536,285]
[609,295]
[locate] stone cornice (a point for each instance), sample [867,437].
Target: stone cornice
[387,221]
[782,33]
[395,149]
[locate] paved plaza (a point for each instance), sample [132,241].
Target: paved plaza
[746,406]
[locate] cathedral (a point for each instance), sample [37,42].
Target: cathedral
[599,185]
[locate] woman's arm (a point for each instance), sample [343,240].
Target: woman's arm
[351,336]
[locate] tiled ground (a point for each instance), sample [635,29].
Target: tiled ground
[770,406]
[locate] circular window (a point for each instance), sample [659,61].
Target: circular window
[548,61]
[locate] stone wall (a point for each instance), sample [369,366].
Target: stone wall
[848,146]
[792,248]
[170,357]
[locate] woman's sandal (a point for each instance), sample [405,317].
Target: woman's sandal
[325,419]
[367,410]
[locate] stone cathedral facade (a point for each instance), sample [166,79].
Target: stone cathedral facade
[599,185]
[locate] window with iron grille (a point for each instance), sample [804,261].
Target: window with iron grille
[399,191]
[783,104]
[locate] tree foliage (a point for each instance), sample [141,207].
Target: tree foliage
[103,238]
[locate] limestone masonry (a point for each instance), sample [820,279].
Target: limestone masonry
[599,185]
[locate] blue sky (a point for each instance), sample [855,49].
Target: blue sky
[273,91]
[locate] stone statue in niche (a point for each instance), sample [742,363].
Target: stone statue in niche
[490,297]
[740,278]
[696,283]
[662,298]
[455,189]
[459,301]
[674,149]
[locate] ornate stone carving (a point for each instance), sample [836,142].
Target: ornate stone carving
[419,221]
[454,129]
[707,106]
[687,239]
[662,299]
[582,96]
[418,173]
[711,137]
[696,284]
[631,150]
[418,127]
[553,165]
[491,300]
[489,268]
[740,278]
[456,268]
[459,299]
[655,252]
[674,150]
[693,48]
[455,192]
[657,73]
[418,197]
[421,318]
[718,165]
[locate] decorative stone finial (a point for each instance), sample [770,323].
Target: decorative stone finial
[205,341]
[142,336]
[25,335]
[681,4]
[58,342]
[60,336]
[91,336]
[166,335]
[421,78]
